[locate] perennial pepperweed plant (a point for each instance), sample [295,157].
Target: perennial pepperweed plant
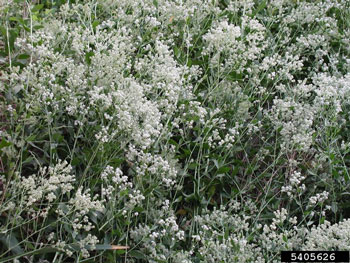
[178,130]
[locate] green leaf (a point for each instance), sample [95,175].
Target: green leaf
[38,7]
[137,254]
[259,8]
[306,213]
[171,141]
[155,2]
[234,76]
[186,152]
[189,62]
[42,251]
[95,216]
[28,160]
[179,199]
[123,193]
[57,137]
[23,56]
[322,219]
[11,243]
[36,27]
[223,170]
[26,28]
[12,35]
[197,62]
[285,238]
[95,24]
[17,19]
[121,251]
[4,143]
[88,56]
[116,161]
[138,209]
[334,207]
[192,166]
[3,31]
[212,190]
[227,233]
[216,163]
[176,52]
[192,197]
[75,161]
[335,173]
[235,171]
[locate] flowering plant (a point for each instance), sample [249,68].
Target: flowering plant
[180,131]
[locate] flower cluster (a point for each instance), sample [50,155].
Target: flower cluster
[293,185]
[120,193]
[160,241]
[329,237]
[45,185]
[232,46]
[223,237]
[162,170]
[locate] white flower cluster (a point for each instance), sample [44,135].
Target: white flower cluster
[89,242]
[319,198]
[306,13]
[119,192]
[160,240]
[295,120]
[76,214]
[329,237]
[245,6]
[104,135]
[331,93]
[149,15]
[158,167]
[216,140]
[293,185]
[82,202]
[276,236]
[223,237]
[120,181]
[230,47]
[48,189]
[136,107]
[223,36]
[44,185]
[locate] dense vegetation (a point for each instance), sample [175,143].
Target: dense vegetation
[180,130]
